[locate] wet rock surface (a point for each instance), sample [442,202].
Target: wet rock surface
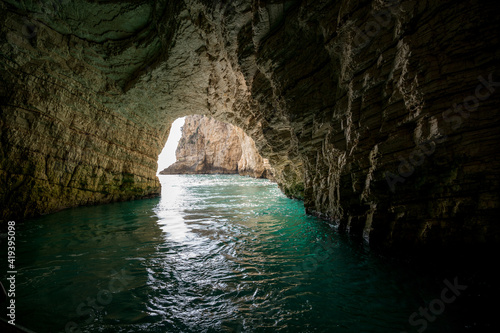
[382,115]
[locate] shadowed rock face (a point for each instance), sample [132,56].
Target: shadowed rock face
[209,146]
[382,115]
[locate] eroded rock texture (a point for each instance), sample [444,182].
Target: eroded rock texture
[209,146]
[338,95]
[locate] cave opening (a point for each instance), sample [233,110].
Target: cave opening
[199,144]
[381,115]
[167,155]
[89,89]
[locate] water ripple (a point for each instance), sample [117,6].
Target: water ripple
[213,254]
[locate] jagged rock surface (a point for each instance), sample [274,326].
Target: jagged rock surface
[208,146]
[338,95]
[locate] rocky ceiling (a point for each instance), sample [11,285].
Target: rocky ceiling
[381,114]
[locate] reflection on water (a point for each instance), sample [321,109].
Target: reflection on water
[213,254]
[169,211]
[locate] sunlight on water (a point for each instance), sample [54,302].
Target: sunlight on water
[170,219]
[213,254]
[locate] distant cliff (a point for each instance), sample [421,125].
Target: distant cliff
[208,146]
[383,116]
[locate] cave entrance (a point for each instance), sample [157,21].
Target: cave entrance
[167,155]
[200,144]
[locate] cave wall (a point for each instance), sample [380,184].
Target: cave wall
[63,143]
[381,114]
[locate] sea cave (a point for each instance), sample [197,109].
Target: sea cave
[378,121]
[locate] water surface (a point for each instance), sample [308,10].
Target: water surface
[215,254]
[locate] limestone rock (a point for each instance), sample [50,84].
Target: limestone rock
[209,146]
[251,162]
[382,115]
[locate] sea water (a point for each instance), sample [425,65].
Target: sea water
[219,253]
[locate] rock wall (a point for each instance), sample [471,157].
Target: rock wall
[209,146]
[251,163]
[381,114]
[65,142]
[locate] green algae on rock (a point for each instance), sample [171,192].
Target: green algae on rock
[334,93]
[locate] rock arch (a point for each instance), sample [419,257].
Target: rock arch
[336,95]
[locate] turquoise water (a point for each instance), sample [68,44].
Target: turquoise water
[216,254]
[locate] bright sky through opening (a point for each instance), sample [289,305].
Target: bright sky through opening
[167,156]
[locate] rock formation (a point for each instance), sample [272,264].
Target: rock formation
[209,146]
[381,114]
